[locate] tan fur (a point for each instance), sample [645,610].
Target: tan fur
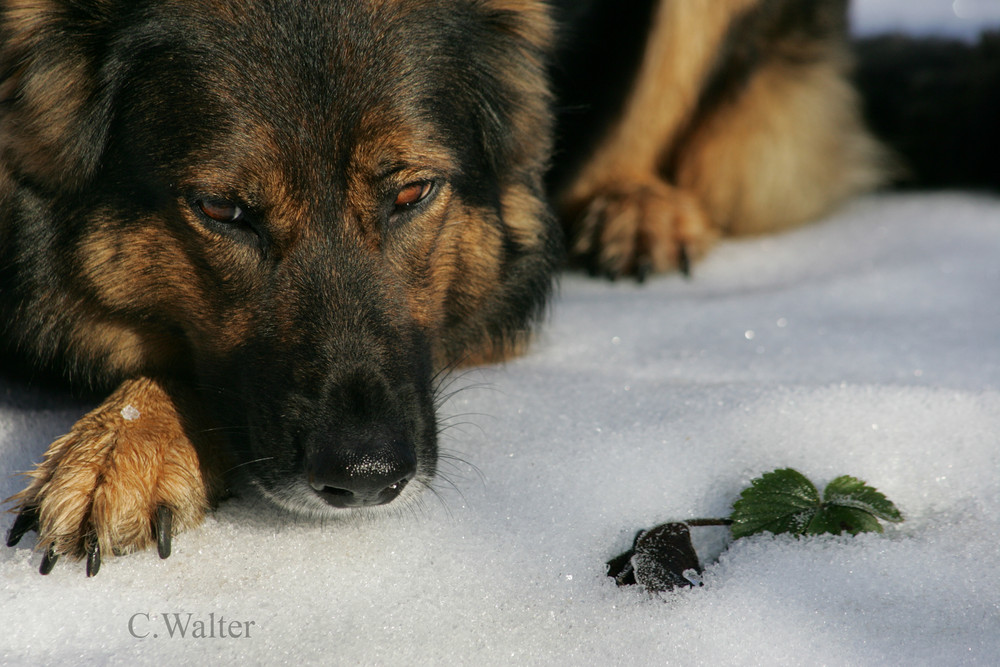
[788,149]
[116,267]
[108,475]
[625,208]
[682,46]
[464,266]
[53,92]
[125,347]
[522,210]
[531,124]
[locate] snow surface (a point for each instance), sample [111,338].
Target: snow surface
[962,19]
[866,344]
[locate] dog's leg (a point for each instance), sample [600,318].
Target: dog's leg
[117,481]
[787,149]
[626,217]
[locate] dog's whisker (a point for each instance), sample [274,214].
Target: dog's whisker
[452,365]
[225,429]
[444,419]
[442,383]
[450,484]
[457,430]
[456,463]
[440,498]
[441,398]
[248,463]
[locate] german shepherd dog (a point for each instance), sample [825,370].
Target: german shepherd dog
[265,225]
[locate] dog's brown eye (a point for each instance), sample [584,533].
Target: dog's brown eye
[220,211]
[413,193]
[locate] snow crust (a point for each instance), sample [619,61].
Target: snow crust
[866,344]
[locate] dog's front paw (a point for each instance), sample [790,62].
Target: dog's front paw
[126,475]
[638,228]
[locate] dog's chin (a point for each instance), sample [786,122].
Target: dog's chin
[298,497]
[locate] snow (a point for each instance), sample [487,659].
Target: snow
[962,19]
[874,353]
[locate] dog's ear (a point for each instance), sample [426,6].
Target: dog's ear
[509,47]
[514,87]
[55,94]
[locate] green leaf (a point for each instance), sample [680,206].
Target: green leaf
[785,501]
[847,491]
[782,501]
[836,520]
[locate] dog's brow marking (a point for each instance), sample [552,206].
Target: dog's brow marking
[130,413]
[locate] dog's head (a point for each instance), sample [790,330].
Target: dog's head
[303,208]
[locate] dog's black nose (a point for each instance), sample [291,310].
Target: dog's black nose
[366,469]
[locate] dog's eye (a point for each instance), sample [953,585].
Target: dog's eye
[220,210]
[412,194]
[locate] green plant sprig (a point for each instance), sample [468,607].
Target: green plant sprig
[782,501]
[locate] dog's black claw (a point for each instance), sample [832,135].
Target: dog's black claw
[25,522]
[643,271]
[164,525]
[611,270]
[683,261]
[93,557]
[48,561]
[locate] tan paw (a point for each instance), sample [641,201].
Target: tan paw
[638,228]
[126,475]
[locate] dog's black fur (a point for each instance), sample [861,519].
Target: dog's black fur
[935,101]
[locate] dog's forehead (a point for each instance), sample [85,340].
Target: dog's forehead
[349,82]
[322,53]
